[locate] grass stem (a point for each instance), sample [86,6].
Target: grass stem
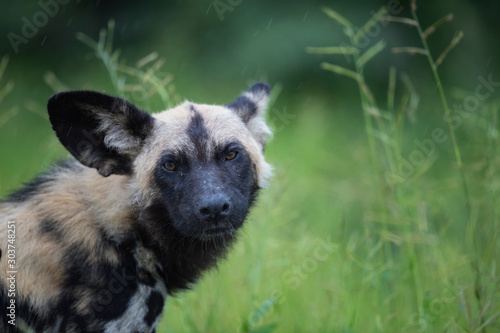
[444,102]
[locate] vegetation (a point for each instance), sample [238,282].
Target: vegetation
[382,217]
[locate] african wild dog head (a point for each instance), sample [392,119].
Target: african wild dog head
[194,170]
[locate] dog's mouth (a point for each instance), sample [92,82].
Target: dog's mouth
[220,231]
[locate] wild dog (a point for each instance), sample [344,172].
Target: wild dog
[143,207]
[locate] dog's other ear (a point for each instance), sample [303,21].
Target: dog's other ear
[251,106]
[101,131]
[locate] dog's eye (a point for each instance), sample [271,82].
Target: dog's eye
[231,155]
[170,166]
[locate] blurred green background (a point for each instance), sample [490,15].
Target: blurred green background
[355,234]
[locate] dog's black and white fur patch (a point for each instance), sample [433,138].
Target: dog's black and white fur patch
[143,207]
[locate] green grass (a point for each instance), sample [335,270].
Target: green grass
[410,268]
[413,253]
[403,254]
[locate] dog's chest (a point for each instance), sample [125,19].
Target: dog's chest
[125,298]
[142,313]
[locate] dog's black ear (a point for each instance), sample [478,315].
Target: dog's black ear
[251,103]
[101,131]
[251,106]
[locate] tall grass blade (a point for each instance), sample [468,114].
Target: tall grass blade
[414,98]
[6,90]
[391,90]
[430,30]
[101,43]
[110,34]
[87,40]
[148,75]
[340,70]
[367,92]
[332,50]
[368,25]
[398,19]
[3,65]
[371,52]
[487,322]
[9,114]
[413,4]
[410,50]
[147,59]
[444,102]
[340,19]
[454,42]
[54,83]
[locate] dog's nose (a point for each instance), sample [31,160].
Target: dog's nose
[214,207]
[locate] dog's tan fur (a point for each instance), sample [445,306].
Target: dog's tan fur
[39,256]
[79,204]
[223,126]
